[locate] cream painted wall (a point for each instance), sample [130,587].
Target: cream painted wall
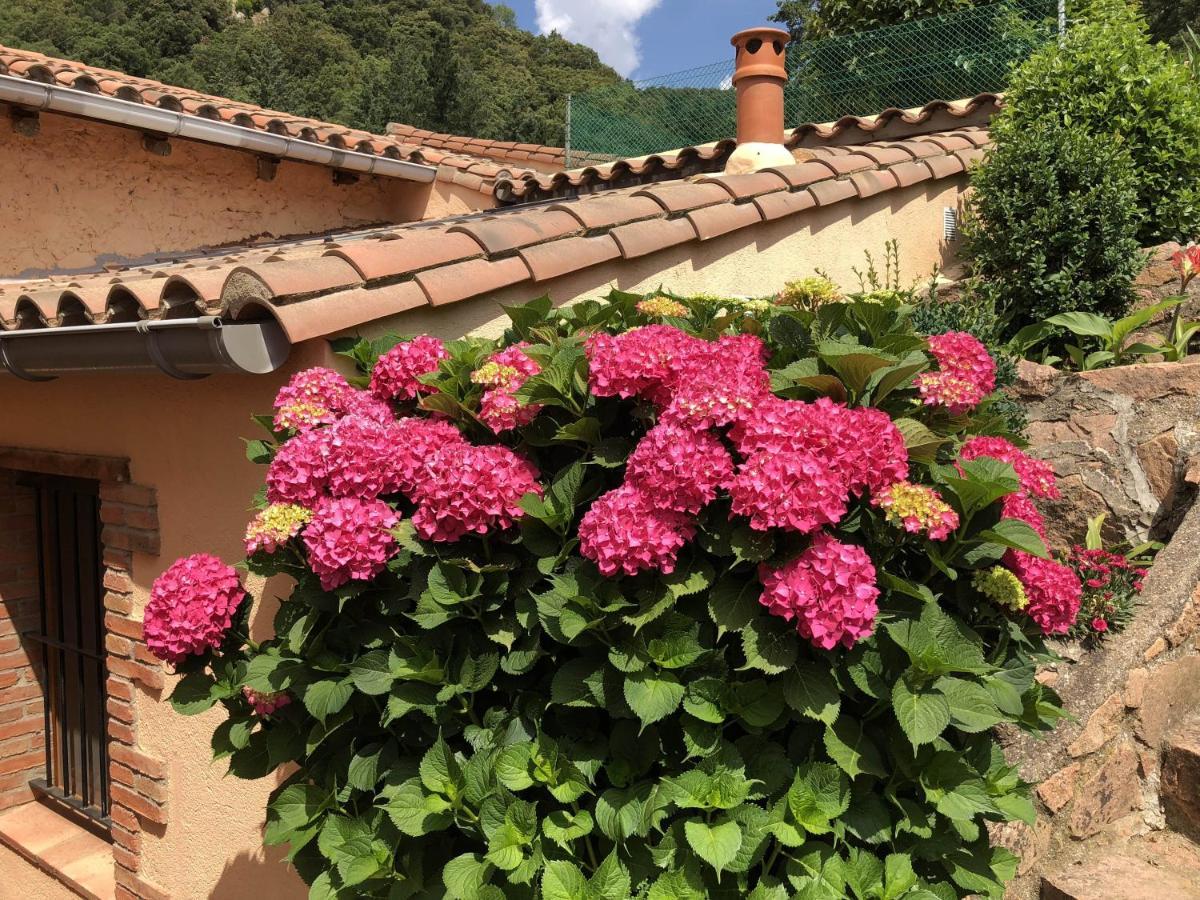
[81,194]
[21,879]
[183,439]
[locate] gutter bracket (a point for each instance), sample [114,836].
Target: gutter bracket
[17,370]
[160,358]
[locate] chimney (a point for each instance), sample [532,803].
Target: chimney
[759,76]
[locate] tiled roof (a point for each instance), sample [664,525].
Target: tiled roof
[472,171]
[891,124]
[504,151]
[321,286]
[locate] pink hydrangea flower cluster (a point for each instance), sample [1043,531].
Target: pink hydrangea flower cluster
[789,490]
[299,470]
[643,362]
[316,396]
[720,382]
[472,489]
[917,508]
[680,468]
[828,590]
[504,373]
[625,531]
[862,444]
[396,374]
[1035,475]
[191,607]
[417,445]
[1053,589]
[359,458]
[264,704]
[966,373]
[349,539]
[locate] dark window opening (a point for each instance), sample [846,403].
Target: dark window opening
[71,635]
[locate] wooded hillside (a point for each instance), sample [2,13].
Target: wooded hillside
[460,66]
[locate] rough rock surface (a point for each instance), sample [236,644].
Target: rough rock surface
[1120,441]
[1180,787]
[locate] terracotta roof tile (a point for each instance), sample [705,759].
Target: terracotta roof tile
[571,254]
[714,221]
[868,184]
[743,187]
[459,281]
[680,196]
[907,173]
[640,238]
[496,234]
[604,210]
[945,166]
[827,192]
[784,203]
[805,173]
[332,313]
[303,277]
[850,162]
[949,142]
[414,251]
[970,156]
[884,156]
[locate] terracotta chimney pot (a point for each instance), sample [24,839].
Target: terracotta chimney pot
[759,76]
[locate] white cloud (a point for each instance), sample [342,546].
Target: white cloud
[607,26]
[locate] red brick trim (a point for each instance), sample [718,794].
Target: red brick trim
[129,515]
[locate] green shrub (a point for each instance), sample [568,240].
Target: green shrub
[1052,224]
[488,715]
[1111,83]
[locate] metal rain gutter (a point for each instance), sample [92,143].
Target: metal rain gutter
[72,102]
[181,348]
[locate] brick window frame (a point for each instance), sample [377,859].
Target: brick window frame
[129,520]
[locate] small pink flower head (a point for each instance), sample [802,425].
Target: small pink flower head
[679,468]
[191,607]
[1036,476]
[720,383]
[360,460]
[1099,624]
[1187,263]
[311,398]
[829,590]
[417,445]
[504,373]
[967,373]
[265,704]
[349,539]
[917,508]
[624,531]
[299,471]
[794,491]
[1054,590]
[472,490]
[275,526]
[396,374]
[643,362]
[366,405]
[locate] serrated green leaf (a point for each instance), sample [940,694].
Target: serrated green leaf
[652,695]
[717,845]
[810,690]
[923,714]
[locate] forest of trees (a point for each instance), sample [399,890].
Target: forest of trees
[460,66]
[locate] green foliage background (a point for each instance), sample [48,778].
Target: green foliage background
[460,66]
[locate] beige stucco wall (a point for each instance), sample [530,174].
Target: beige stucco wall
[80,194]
[751,262]
[183,439]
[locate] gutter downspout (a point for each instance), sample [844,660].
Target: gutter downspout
[68,101]
[181,348]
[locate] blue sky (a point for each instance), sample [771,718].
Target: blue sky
[645,38]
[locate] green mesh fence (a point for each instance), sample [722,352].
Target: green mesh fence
[946,57]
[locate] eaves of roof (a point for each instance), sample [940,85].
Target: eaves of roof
[322,286]
[891,124]
[478,173]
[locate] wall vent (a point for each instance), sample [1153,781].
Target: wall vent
[949,223]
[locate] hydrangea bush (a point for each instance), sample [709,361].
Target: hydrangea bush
[654,597]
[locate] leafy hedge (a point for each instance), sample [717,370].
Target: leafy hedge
[492,717]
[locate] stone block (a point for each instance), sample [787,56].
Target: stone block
[1158,456]
[1180,786]
[1057,790]
[1111,793]
[1172,691]
[1118,877]
[1101,727]
[1135,688]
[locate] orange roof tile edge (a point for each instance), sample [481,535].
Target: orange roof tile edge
[321,286]
[473,170]
[891,124]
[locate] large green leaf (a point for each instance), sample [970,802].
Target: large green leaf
[653,695]
[717,845]
[923,713]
